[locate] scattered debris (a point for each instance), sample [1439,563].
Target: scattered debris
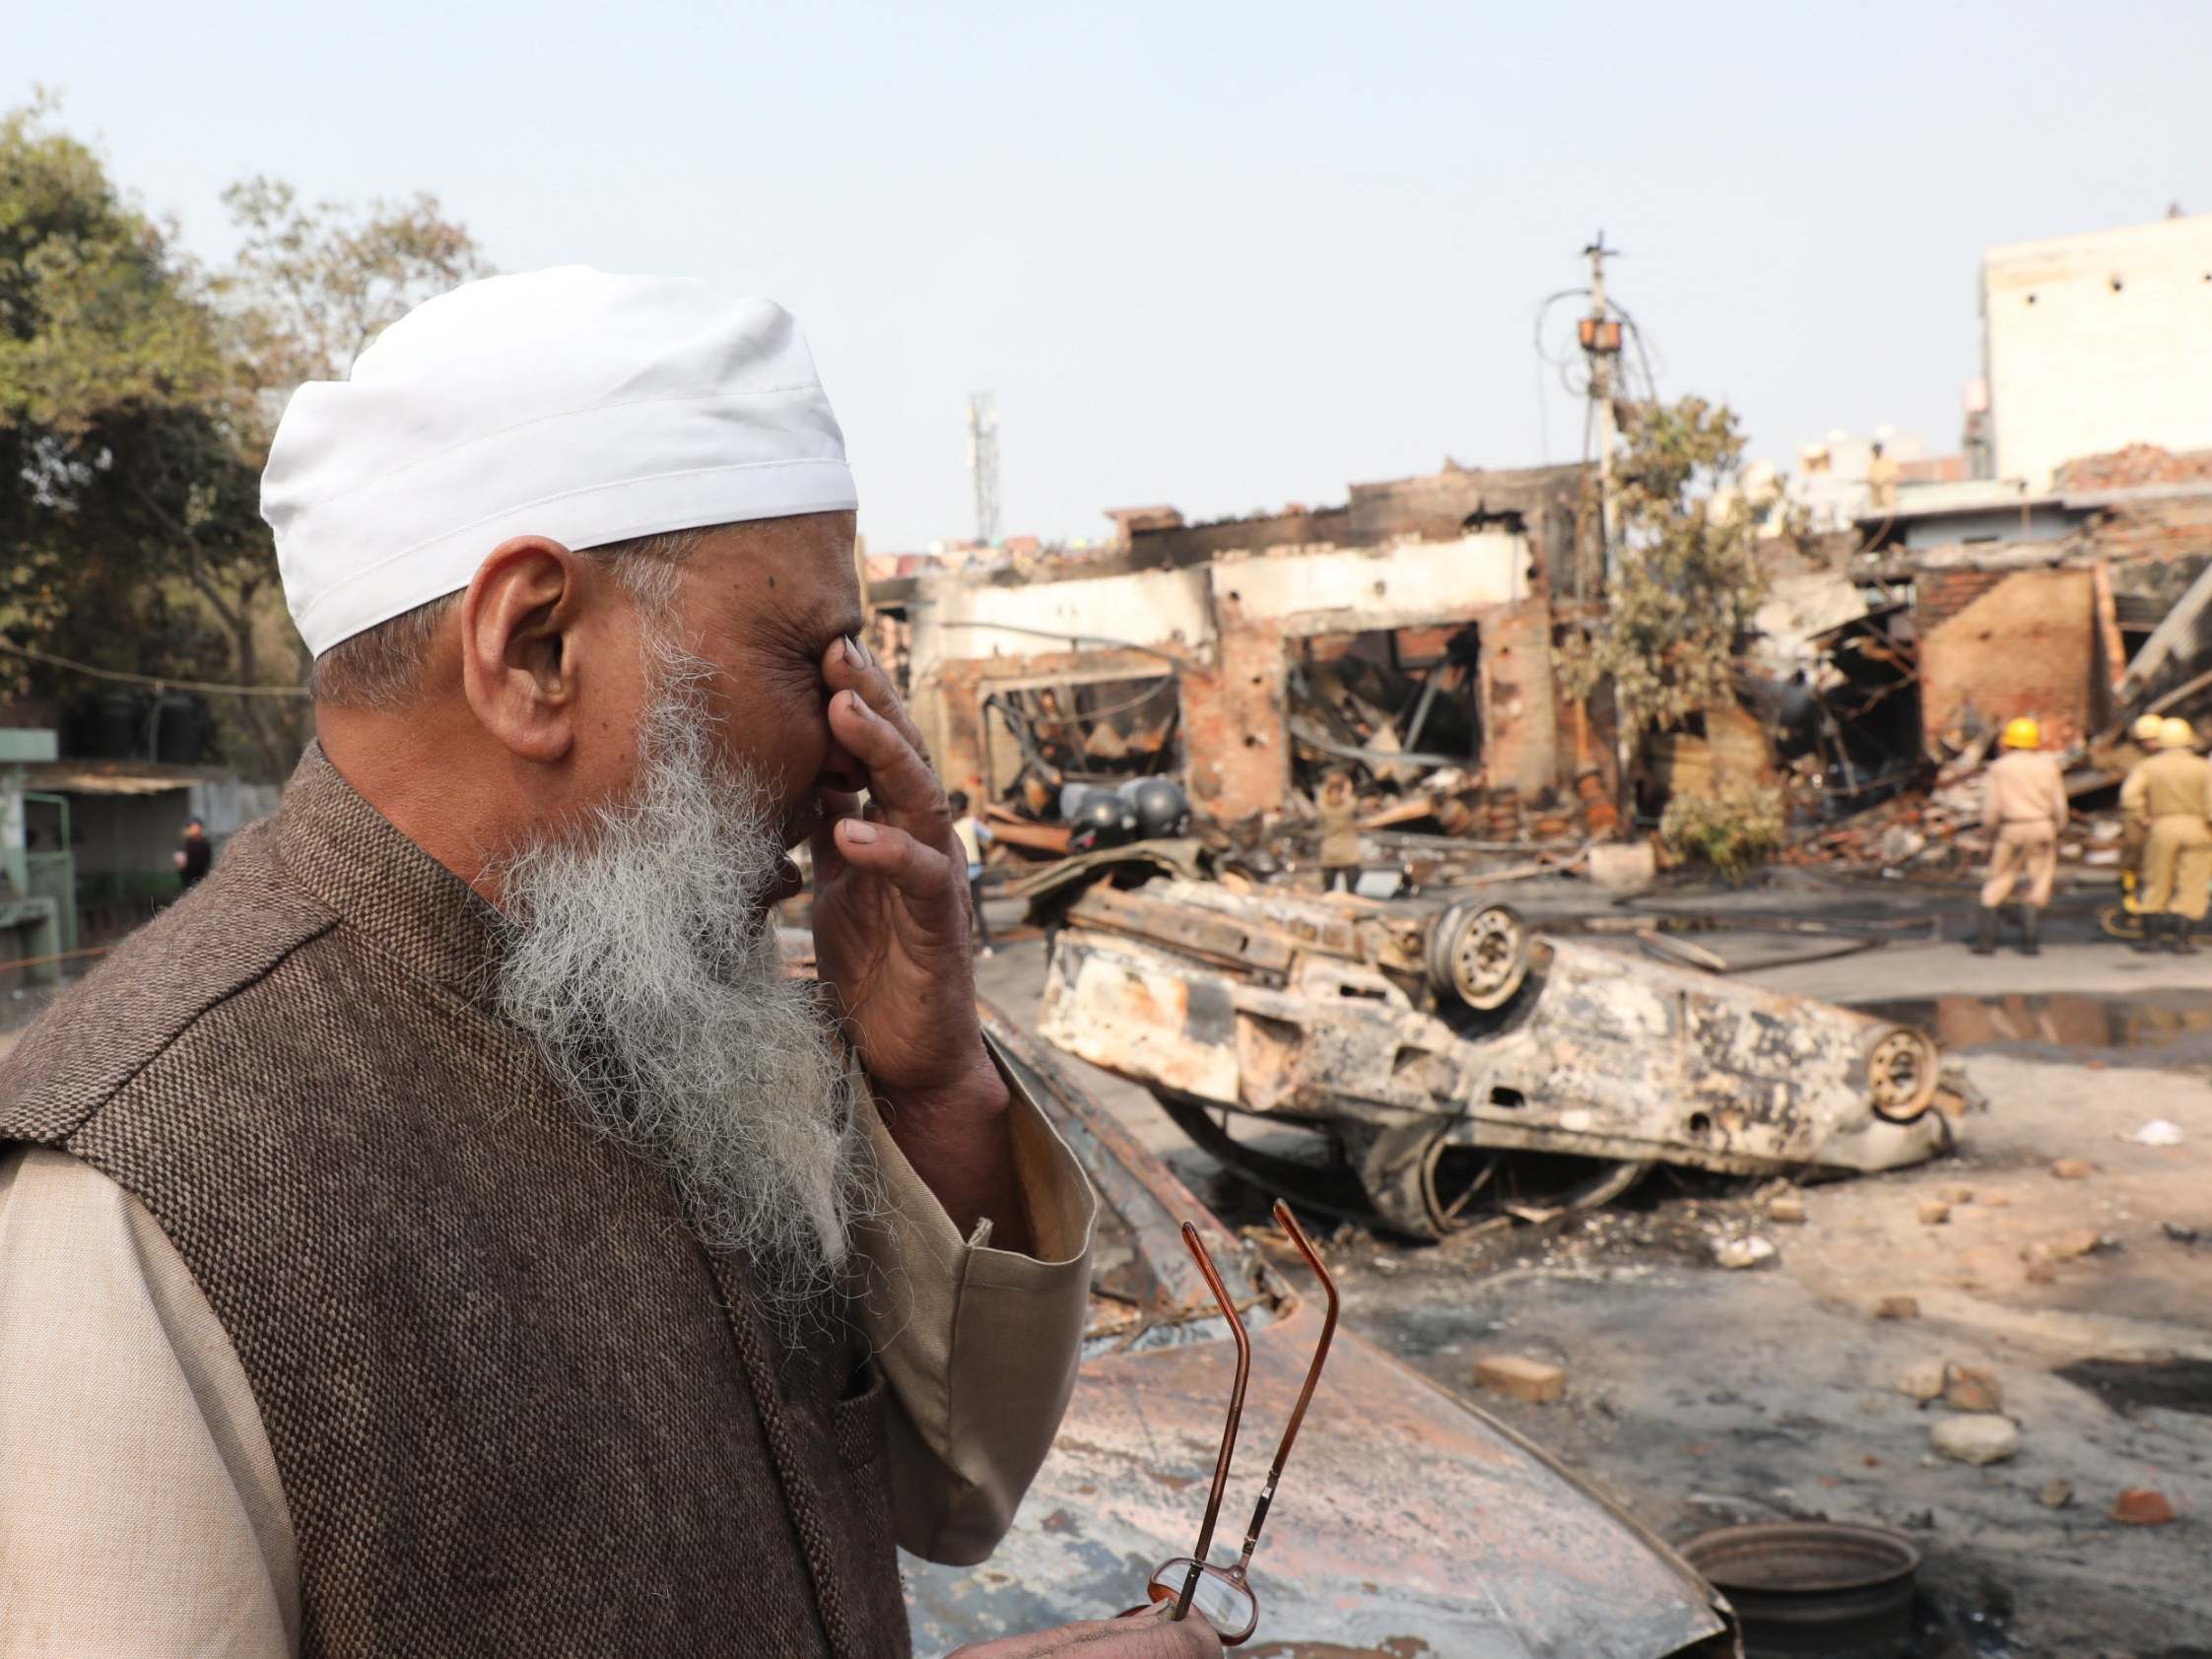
[1978,1439]
[1520,1378]
[2058,1492]
[1922,1382]
[1898,1307]
[2143,1506]
[1955,1194]
[2068,1245]
[2158,1133]
[1744,1250]
[2072,1169]
[1789,1210]
[2178,1234]
[1970,1388]
[1934,1211]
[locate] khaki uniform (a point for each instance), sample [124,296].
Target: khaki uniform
[2124,758]
[2026,808]
[2168,799]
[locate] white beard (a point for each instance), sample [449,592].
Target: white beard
[643,958]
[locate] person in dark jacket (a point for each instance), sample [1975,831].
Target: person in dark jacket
[195,856]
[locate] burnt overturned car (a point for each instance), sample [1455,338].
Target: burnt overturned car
[1430,1065]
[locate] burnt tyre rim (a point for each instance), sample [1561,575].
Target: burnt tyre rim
[1813,1587]
[1451,1176]
[1902,1073]
[1462,1185]
[1489,955]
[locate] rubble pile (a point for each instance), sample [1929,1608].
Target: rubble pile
[1938,832]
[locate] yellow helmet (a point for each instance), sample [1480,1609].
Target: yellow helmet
[2023,733]
[2146,729]
[2175,734]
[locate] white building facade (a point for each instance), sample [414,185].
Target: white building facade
[2094,342]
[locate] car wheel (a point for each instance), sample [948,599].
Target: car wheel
[1478,954]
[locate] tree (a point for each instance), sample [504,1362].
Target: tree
[138,395]
[108,353]
[1688,581]
[313,286]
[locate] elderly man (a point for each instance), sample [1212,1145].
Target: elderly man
[487,1246]
[2167,802]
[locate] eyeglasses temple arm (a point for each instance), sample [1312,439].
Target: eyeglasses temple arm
[1296,1234]
[1212,1275]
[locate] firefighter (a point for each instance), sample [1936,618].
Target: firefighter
[2024,811]
[2168,800]
[2141,745]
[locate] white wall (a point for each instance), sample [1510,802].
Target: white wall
[1157,608]
[1334,589]
[1325,589]
[2076,367]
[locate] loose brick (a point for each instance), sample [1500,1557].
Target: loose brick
[2142,1506]
[1521,1378]
[1970,1388]
[1898,1307]
[2072,1169]
[1934,1211]
[1788,1207]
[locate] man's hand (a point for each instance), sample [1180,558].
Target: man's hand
[891,937]
[1145,1637]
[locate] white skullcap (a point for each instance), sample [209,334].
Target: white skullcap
[570,404]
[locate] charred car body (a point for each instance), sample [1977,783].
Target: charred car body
[1450,1063]
[1409,1521]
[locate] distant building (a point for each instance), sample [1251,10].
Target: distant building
[1835,479]
[2095,342]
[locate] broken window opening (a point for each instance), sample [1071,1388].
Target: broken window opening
[1391,708]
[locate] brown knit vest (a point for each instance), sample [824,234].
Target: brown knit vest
[516,1409]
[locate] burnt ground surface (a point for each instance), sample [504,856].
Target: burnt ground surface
[1704,1396]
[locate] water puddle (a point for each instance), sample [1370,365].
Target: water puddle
[2153,1019]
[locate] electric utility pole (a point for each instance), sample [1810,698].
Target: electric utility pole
[1600,338]
[1602,347]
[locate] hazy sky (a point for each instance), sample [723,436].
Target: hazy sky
[1226,256]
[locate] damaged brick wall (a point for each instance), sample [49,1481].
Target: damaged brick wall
[2025,643]
[1520,699]
[1234,738]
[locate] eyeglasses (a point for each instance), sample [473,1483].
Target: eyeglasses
[1224,1596]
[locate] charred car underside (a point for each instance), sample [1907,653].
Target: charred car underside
[1448,1064]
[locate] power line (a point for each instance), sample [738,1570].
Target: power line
[160,682]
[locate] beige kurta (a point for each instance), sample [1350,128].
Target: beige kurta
[140,1510]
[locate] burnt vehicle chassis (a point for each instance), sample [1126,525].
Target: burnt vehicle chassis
[1449,1064]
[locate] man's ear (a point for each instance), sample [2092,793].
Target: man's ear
[518,664]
